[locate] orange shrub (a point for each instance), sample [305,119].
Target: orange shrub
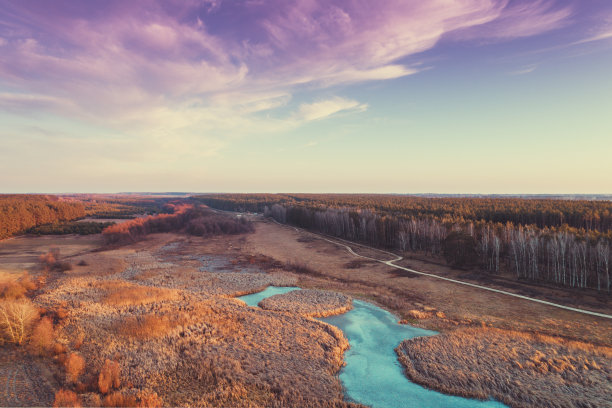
[74,366]
[110,376]
[43,336]
[119,399]
[149,399]
[12,290]
[66,398]
[26,282]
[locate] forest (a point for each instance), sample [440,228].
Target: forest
[20,212]
[192,219]
[564,242]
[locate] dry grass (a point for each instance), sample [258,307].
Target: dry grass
[122,294]
[147,326]
[520,369]
[308,302]
[66,398]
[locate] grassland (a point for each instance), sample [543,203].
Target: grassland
[155,323]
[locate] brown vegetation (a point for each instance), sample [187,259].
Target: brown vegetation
[16,320]
[309,302]
[23,211]
[74,367]
[43,337]
[16,289]
[567,243]
[119,399]
[520,369]
[66,398]
[147,326]
[109,377]
[122,293]
[197,221]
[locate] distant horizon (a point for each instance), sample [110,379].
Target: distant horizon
[308,192]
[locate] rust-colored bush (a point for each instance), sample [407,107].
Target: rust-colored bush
[66,398]
[16,320]
[59,349]
[43,336]
[78,341]
[110,376]
[27,283]
[119,399]
[12,290]
[149,399]
[74,365]
[51,262]
[61,313]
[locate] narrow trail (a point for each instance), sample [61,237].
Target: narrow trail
[343,243]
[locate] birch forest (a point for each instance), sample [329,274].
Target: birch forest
[565,242]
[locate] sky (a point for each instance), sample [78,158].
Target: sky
[394,96]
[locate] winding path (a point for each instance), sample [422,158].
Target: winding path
[343,243]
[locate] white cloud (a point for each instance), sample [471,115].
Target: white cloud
[324,109]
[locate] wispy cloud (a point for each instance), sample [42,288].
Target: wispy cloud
[525,70]
[324,109]
[204,72]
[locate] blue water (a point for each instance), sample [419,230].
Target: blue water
[373,375]
[254,298]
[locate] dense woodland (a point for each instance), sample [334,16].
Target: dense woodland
[74,227]
[560,241]
[101,206]
[192,219]
[20,212]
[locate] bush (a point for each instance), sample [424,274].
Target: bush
[149,399]
[66,398]
[110,376]
[16,320]
[43,336]
[74,367]
[12,290]
[51,261]
[119,399]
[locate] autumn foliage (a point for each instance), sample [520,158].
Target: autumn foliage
[194,220]
[110,377]
[74,367]
[20,212]
[66,398]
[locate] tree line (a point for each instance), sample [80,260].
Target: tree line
[588,215]
[563,256]
[20,212]
[474,232]
[192,219]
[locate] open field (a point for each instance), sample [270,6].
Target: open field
[162,309]
[164,306]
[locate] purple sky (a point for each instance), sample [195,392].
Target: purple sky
[221,95]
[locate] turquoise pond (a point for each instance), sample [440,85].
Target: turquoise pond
[373,375]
